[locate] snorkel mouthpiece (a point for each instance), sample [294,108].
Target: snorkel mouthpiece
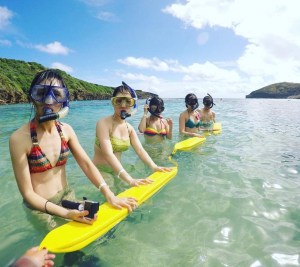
[49,115]
[124,114]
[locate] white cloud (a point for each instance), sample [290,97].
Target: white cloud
[5,43]
[140,77]
[271,27]
[198,78]
[145,63]
[57,65]
[53,48]
[5,16]
[195,71]
[106,16]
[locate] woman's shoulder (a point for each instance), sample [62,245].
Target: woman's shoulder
[21,135]
[23,130]
[183,112]
[65,126]
[129,125]
[104,120]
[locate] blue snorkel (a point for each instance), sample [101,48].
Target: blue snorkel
[124,114]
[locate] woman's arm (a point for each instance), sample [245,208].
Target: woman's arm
[141,152]
[95,176]
[143,123]
[35,257]
[102,132]
[169,129]
[182,127]
[19,160]
[214,116]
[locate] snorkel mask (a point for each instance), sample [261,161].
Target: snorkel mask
[124,114]
[192,101]
[44,93]
[156,106]
[208,101]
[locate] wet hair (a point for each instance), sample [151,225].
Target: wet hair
[190,96]
[47,75]
[123,89]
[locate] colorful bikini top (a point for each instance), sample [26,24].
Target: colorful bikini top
[118,144]
[152,132]
[37,160]
[191,124]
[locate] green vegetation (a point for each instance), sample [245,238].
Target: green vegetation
[277,90]
[16,77]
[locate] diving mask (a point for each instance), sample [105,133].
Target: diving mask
[156,106]
[39,93]
[193,103]
[118,101]
[208,101]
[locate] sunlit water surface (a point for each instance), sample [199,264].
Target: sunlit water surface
[234,202]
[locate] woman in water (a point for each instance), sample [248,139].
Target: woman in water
[207,116]
[39,152]
[155,127]
[189,120]
[114,136]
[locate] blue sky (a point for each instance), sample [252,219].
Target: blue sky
[223,47]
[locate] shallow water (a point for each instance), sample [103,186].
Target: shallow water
[234,202]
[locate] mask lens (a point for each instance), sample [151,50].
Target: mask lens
[40,92]
[117,101]
[192,101]
[153,108]
[60,94]
[161,109]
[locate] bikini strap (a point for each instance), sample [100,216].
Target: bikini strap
[57,124]
[33,133]
[127,128]
[162,123]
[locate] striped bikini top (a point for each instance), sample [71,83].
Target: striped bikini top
[152,132]
[37,160]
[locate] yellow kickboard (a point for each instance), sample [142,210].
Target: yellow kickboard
[217,129]
[188,144]
[74,236]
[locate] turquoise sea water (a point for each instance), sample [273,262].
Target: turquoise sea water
[234,202]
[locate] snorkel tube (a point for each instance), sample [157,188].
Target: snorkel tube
[49,115]
[124,114]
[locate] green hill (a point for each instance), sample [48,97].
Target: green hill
[278,90]
[16,77]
